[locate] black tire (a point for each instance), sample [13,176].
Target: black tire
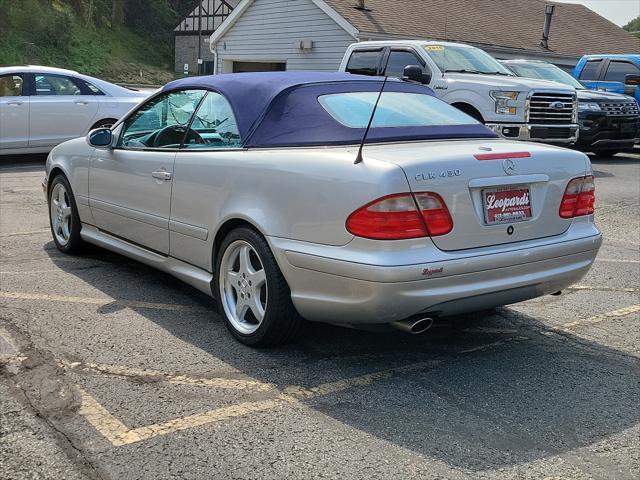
[104,123]
[281,322]
[74,243]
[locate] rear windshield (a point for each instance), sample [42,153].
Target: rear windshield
[395,109]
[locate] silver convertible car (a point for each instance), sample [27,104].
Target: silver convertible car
[327,197]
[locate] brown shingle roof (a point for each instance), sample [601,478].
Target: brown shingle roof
[575,30]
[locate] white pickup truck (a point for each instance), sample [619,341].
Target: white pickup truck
[476,83]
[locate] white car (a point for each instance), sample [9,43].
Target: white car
[41,107]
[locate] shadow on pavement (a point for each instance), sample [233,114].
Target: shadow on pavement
[533,394]
[22,163]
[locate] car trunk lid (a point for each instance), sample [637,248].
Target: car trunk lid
[497,192]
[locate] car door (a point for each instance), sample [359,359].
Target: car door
[14,111]
[60,110]
[590,74]
[201,182]
[130,184]
[614,79]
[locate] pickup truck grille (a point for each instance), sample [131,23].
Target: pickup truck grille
[551,108]
[620,109]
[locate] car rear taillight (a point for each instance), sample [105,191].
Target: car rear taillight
[396,217]
[435,213]
[579,198]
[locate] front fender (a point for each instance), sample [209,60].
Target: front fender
[73,160]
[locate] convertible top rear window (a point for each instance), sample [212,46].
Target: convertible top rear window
[395,109]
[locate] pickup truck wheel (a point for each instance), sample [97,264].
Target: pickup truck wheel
[254,297]
[63,216]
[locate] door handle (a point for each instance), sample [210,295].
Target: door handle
[81,102]
[15,104]
[161,175]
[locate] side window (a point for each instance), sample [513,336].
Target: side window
[364,62]
[162,121]
[590,70]
[11,86]
[214,125]
[90,88]
[618,71]
[398,59]
[56,85]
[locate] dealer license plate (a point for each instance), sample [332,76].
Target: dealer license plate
[507,204]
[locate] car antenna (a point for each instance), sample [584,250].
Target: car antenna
[366,132]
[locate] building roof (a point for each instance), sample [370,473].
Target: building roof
[274,109]
[512,24]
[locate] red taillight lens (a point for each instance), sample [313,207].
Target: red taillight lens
[435,213]
[389,218]
[396,217]
[579,198]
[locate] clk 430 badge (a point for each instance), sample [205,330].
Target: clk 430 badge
[421,177]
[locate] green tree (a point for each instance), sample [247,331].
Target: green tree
[633,26]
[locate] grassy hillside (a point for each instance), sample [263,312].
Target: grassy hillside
[53,33]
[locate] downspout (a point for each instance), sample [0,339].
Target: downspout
[213,49]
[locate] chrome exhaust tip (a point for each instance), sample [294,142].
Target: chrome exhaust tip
[413,326]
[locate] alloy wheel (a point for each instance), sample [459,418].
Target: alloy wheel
[243,287]
[60,212]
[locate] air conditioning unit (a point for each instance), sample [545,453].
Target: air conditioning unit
[304,44]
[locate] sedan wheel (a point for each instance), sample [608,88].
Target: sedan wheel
[253,295]
[243,286]
[60,211]
[63,216]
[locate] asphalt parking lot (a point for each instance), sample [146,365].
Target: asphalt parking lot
[111,370]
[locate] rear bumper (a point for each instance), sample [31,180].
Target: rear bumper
[336,290]
[556,134]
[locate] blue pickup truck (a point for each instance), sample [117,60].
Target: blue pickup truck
[610,73]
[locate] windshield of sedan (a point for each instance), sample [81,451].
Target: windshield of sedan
[545,71]
[458,59]
[395,109]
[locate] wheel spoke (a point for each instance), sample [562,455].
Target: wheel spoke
[256,307]
[245,259]
[66,230]
[241,309]
[61,196]
[257,279]
[66,212]
[232,279]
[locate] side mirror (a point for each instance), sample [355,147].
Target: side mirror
[632,79]
[100,137]
[415,73]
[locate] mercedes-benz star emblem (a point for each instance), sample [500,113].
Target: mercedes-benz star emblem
[508,166]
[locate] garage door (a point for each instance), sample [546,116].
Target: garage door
[259,67]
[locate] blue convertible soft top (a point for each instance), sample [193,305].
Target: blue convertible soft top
[277,109]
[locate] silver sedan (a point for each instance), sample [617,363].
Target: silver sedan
[326,197]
